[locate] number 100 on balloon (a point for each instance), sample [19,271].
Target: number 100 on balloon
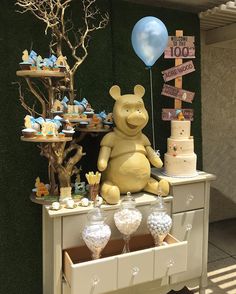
[180,47]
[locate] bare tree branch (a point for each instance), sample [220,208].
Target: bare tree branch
[38,96]
[53,14]
[29,109]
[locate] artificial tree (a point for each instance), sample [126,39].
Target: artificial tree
[64,37]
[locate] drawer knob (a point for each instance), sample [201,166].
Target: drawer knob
[188,227]
[135,271]
[95,281]
[190,198]
[170,263]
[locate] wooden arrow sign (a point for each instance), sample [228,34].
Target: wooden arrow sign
[178,71]
[177,93]
[180,47]
[172,114]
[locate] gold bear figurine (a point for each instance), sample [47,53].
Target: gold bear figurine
[126,153]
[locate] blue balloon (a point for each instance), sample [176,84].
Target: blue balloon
[149,39]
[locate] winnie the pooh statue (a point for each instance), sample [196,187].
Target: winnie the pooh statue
[126,154]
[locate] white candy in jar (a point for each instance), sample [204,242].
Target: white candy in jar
[127,220]
[96,236]
[159,224]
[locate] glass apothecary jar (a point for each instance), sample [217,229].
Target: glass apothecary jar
[127,219]
[159,222]
[96,233]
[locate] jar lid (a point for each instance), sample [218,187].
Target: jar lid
[128,201]
[159,205]
[96,215]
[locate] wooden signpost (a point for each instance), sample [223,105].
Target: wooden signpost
[179,47]
[177,93]
[178,71]
[171,114]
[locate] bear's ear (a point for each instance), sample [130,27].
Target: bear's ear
[115,92]
[139,91]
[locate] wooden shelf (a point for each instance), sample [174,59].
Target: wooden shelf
[46,140]
[76,120]
[88,130]
[40,74]
[48,200]
[141,198]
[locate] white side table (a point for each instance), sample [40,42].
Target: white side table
[189,208]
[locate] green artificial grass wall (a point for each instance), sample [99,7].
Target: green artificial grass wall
[111,60]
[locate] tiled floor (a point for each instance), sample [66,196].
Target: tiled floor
[222,258]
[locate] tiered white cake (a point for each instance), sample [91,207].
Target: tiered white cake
[180,159]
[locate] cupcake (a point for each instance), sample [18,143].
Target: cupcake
[25,65]
[68,133]
[89,114]
[44,67]
[61,135]
[62,68]
[83,124]
[56,69]
[107,124]
[39,135]
[49,135]
[29,133]
[33,67]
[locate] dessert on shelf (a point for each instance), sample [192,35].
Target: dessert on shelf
[44,129]
[33,61]
[180,159]
[47,93]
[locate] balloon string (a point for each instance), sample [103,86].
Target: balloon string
[152,109]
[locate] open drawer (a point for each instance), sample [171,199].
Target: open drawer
[115,271]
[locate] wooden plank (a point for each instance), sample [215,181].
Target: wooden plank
[180,47]
[40,74]
[55,139]
[178,71]
[170,114]
[220,35]
[178,79]
[177,93]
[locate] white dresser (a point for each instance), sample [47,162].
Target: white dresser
[183,262]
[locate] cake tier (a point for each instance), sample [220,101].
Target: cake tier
[180,146]
[181,165]
[180,129]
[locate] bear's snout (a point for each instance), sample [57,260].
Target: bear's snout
[136,119]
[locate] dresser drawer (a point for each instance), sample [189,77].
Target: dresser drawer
[171,259]
[189,226]
[188,197]
[135,268]
[144,263]
[96,276]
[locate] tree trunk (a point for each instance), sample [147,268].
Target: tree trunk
[72,91]
[64,177]
[52,181]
